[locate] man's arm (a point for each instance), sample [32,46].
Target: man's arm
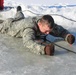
[59,31]
[29,42]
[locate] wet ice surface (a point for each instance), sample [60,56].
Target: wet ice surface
[17,60]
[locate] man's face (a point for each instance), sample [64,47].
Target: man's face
[45,28]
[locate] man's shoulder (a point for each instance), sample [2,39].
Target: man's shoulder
[36,18]
[30,19]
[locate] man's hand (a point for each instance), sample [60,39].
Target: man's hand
[49,49]
[70,38]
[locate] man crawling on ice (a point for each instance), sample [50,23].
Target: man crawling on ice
[30,30]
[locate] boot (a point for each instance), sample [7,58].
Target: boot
[19,8]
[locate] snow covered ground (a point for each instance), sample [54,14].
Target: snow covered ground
[15,60]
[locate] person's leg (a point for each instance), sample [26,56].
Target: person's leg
[1,25]
[5,25]
[1,21]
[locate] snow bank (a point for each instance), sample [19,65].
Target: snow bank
[64,15]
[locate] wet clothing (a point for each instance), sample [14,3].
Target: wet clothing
[28,30]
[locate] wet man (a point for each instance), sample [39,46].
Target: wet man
[30,30]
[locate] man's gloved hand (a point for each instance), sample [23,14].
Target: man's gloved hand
[70,38]
[49,49]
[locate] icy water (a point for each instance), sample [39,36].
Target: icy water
[15,59]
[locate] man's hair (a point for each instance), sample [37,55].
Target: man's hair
[49,19]
[19,8]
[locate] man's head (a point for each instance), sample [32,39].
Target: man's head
[46,24]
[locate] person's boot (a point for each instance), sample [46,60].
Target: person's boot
[49,49]
[19,8]
[70,38]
